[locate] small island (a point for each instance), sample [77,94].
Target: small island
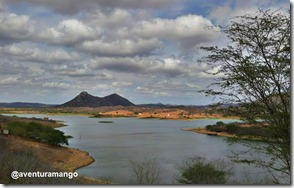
[105,121]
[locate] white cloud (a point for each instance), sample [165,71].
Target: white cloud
[187,30]
[24,28]
[123,47]
[56,85]
[118,33]
[145,47]
[77,73]
[24,52]
[122,84]
[16,81]
[15,26]
[69,31]
[168,88]
[103,76]
[9,81]
[141,65]
[116,18]
[101,86]
[168,66]
[150,92]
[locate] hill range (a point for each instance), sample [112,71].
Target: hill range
[82,100]
[86,100]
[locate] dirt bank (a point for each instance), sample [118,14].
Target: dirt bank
[67,159]
[61,158]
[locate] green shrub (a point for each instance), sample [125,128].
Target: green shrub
[232,128]
[38,131]
[255,131]
[217,128]
[199,171]
[235,128]
[220,123]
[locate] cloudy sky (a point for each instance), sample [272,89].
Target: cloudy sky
[144,50]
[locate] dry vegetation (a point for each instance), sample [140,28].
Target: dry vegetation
[175,113]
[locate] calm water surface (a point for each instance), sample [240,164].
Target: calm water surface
[114,145]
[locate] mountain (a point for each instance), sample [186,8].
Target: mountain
[116,100]
[24,105]
[86,100]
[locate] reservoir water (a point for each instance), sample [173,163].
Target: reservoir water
[114,145]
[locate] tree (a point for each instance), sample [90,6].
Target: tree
[146,172]
[254,72]
[38,132]
[199,171]
[56,138]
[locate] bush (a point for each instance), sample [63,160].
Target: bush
[232,128]
[199,171]
[146,173]
[235,128]
[37,131]
[256,131]
[220,123]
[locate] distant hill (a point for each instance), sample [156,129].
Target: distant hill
[86,100]
[24,105]
[159,105]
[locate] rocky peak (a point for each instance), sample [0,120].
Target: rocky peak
[83,93]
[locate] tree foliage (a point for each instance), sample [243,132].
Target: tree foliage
[199,171]
[38,132]
[254,72]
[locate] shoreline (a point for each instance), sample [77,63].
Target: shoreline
[125,116]
[61,158]
[222,134]
[210,133]
[140,112]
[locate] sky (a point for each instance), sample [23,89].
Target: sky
[144,50]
